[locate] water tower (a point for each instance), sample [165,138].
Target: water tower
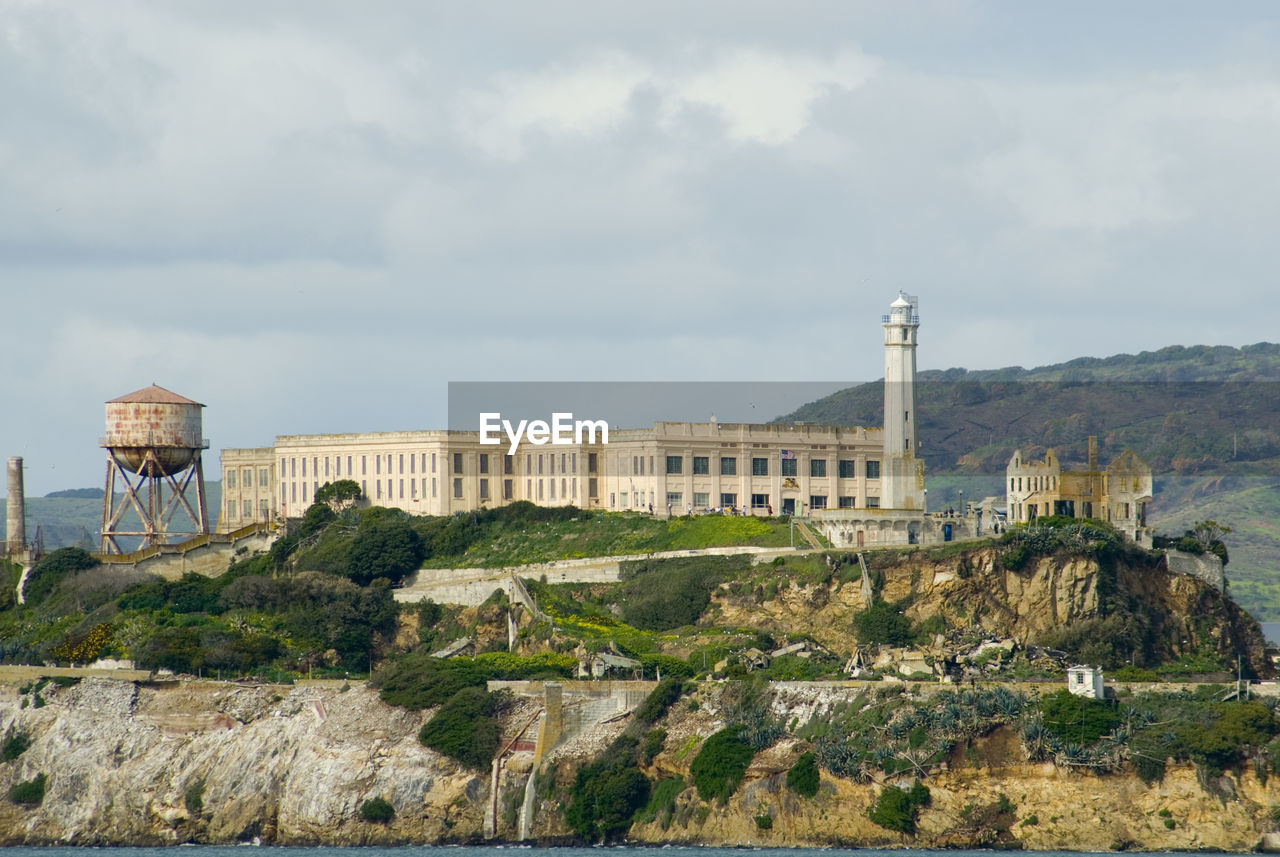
[153,441]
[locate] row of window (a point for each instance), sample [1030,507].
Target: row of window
[702,500]
[1034,483]
[246,477]
[846,467]
[234,508]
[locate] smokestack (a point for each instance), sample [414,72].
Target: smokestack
[15,521]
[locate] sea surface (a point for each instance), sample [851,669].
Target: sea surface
[498,851]
[1271,630]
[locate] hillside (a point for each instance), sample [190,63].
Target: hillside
[1207,419]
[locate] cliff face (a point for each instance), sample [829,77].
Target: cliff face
[1171,614]
[290,766]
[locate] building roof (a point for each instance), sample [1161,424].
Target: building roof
[155,395]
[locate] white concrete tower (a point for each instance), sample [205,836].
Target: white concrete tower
[902,479]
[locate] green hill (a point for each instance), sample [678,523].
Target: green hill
[1207,419]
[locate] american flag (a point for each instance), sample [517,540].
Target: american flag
[786,453]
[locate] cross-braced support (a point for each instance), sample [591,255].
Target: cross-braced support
[143,492]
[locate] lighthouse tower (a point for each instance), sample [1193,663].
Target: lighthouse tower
[902,477]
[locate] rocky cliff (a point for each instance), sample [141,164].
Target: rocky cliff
[273,763]
[1133,604]
[293,766]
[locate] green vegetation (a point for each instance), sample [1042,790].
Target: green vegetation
[803,778]
[660,699]
[29,792]
[662,802]
[46,573]
[608,793]
[377,810]
[883,623]
[721,764]
[898,810]
[417,681]
[1078,719]
[16,742]
[466,728]
[193,799]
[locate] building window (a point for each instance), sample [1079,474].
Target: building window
[264,509]
[326,465]
[788,467]
[701,465]
[551,487]
[457,489]
[759,501]
[873,502]
[364,465]
[349,471]
[413,461]
[401,489]
[457,462]
[433,486]
[846,502]
[675,464]
[248,508]
[293,492]
[847,469]
[700,500]
[563,495]
[728,467]
[593,462]
[377,483]
[377,465]
[817,501]
[759,467]
[675,498]
[508,464]
[539,464]
[231,508]
[264,476]
[593,487]
[401,463]
[231,479]
[728,501]
[818,468]
[484,464]
[433,462]
[507,490]
[873,470]
[484,489]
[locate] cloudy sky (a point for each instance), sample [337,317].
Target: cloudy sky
[313,216]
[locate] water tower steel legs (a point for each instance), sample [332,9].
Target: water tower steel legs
[154,516]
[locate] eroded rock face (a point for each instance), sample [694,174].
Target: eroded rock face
[288,765]
[973,589]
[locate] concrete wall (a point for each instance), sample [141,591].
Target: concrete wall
[472,586]
[210,557]
[1205,566]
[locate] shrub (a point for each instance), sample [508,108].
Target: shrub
[721,764]
[465,728]
[377,810]
[608,793]
[764,822]
[29,792]
[46,573]
[15,744]
[384,546]
[803,778]
[194,798]
[421,681]
[1076,719]
[882,623]
[661,698]
[898,810]
[652,745]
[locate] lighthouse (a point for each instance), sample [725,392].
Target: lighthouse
[902,476]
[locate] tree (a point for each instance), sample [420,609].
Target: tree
[1209,534]
[339,495]
[384,547]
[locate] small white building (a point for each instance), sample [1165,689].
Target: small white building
[1087,682]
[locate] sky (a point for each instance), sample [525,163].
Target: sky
[313,216]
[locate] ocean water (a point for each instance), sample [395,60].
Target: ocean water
[499,851]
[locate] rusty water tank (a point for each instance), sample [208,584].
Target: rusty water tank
[157,420]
